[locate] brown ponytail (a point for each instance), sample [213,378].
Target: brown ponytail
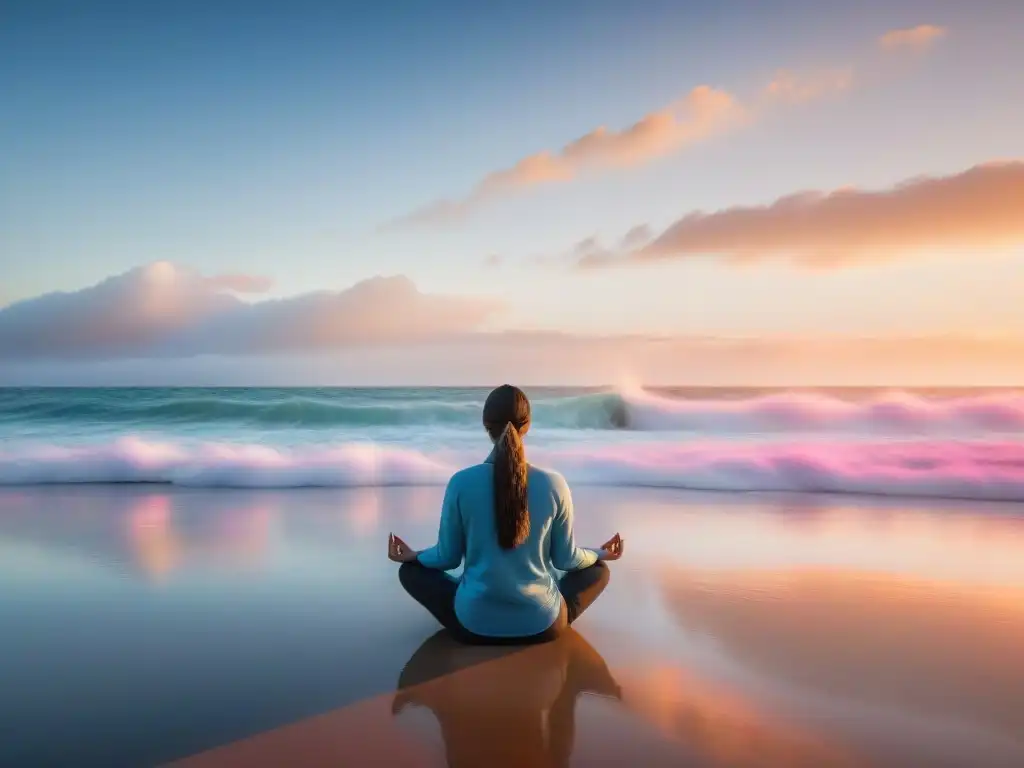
[508,410]
[511,513]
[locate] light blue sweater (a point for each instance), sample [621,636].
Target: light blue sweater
[506,593]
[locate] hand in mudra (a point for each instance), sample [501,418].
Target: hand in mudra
[399,551]
[612,549]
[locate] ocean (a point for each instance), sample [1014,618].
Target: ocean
[940,443]
[201,574]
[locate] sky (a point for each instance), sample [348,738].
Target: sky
[208,192]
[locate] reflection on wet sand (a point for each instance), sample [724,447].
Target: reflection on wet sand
[510,708]
[521,709]
[944,541]
[906,651]
[717,726]
[151,534]
[160,545]
[521,706]
[156,623]
[155,533]
[495,706]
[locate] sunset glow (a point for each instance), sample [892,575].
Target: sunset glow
[507,383]
[841,189]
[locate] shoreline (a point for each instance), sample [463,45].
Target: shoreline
[966,504]
[827,631]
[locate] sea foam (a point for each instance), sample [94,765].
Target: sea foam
[983,470]
[895,412]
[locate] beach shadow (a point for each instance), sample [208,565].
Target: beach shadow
[504,705]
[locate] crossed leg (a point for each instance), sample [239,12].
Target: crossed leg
[435,591]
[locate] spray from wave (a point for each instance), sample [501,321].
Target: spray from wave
[895,412]
[981,470]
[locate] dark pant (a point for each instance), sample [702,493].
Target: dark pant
[435,591]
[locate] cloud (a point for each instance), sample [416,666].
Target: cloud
[982,207]
[794,88]
[590,251]
[917,38]
[636,237]
[166,310]
[240,283]
[701,114]
[704,112]
[545,358]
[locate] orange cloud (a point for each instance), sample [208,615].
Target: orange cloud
[982,207]
[917,38]
[796,88]
[704,112]
[701,114]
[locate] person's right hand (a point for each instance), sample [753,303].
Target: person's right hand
[399,551]
[612,549]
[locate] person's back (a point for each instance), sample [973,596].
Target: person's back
[513,592]
[513,525]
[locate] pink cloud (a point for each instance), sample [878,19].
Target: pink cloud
[166,310]
[918,38]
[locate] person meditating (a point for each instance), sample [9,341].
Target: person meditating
[513,524]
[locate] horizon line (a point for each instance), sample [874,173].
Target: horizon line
[612,387]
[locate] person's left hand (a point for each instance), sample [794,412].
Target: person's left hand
[612,549]
[399,551]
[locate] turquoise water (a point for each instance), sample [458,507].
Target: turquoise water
[288,415]
[940,443]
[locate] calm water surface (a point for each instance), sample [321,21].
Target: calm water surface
[146,624]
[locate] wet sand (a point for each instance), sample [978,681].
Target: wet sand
[145,625]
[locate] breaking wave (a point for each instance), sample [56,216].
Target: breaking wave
[982,470]
[893,413]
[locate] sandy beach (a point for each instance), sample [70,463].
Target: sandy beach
[738,284]
[146,625]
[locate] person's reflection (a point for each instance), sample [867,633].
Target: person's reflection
[510,706]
